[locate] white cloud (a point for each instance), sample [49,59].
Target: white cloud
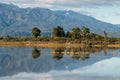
[103,70]
[81,6]
[65,3]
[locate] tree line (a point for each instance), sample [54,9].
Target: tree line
[76,34]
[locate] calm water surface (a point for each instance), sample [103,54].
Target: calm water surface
[27,63]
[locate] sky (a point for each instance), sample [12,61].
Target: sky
[104,10]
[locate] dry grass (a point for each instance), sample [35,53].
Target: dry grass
[50,44]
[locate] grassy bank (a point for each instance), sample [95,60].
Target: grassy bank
[52,44]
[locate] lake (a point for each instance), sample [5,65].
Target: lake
[86,63]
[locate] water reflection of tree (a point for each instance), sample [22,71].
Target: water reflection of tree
[58,53]
[105,50]
[75,56]
[81,53]
[85,56]
[35,53]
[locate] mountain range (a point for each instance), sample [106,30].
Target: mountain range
[15,21]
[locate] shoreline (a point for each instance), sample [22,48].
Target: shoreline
[52,44]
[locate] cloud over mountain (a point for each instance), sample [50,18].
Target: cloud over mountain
[64,3]
[17,21]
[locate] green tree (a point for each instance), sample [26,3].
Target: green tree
[105,37]
[36,32]
[105,34]
[58,32]
[68,34]
[75,33]
[85,31]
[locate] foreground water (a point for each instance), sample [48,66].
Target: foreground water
[26,63]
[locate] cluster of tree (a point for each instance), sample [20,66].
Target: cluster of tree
[75,33]
[58,31]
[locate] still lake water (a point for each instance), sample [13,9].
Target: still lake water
[27,63]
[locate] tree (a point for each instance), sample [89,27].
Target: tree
[105,37]
[68,34]
[75,32]
[105,34]
[58,32]
[36,32]
[85,31]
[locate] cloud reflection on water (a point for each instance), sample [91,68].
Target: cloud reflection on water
[106,69]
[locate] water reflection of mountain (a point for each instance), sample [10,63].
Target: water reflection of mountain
[21,59]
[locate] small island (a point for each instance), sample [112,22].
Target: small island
[77,37]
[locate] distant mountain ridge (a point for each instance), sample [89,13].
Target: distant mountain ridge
[15,21]
[118,25]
